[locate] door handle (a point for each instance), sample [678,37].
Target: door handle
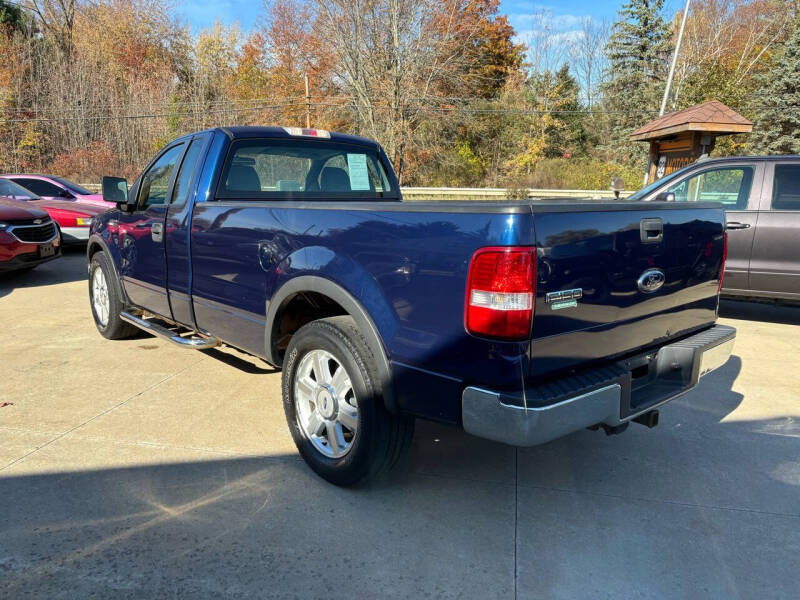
[735,225]
[157,232]
[651,231]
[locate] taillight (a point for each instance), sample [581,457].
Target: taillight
[724,258]
[500,290]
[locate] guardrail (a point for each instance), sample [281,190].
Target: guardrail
[448,193]
[420,194]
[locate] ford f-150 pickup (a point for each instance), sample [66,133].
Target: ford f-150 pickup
[518,321]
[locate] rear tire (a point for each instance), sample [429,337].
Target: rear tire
[334,407]
[105,299]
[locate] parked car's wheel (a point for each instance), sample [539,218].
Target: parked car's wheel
[105,298]
[334,406]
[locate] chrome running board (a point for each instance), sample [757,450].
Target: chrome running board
[196,342]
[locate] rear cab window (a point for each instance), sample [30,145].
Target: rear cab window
[285,169]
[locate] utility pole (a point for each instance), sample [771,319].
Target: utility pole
[669,78]
[308,104]
[674,60]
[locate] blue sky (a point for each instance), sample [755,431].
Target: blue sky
[567,13]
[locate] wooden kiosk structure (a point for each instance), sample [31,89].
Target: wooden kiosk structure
[679,138]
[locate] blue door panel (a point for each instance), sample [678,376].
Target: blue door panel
[142,267]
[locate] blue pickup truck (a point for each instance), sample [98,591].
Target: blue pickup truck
[519,321]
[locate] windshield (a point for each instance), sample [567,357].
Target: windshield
[72,187]
[14,190]
[656,184]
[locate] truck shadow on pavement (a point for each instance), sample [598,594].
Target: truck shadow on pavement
[459,516]
[784,314]
[244,362]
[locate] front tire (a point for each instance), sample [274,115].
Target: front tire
[334,407]
[105,299]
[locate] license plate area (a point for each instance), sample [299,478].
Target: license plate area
[656,376]
[46,250]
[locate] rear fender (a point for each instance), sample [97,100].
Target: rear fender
[361,313]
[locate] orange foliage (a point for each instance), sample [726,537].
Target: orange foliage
[89,163]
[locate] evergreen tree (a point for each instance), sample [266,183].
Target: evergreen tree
[11,16]
[638,53]
[777,129]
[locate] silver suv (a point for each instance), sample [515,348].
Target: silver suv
[761,195]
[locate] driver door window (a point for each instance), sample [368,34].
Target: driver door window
[155,183]
[730,186]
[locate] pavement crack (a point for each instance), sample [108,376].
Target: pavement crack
[516,518]
[105,412]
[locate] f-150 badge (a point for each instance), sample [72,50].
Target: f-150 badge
[564,298]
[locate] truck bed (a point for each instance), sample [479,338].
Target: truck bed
[407,263]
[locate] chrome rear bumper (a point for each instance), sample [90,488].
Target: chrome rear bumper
[676,368]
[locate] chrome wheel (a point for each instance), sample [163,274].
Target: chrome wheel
[325,404]
[100,300]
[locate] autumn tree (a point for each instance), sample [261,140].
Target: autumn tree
[726,45]
[486,39]
[215,57]
[296,45]
[557,96]
[586,57]
[56,18]
[398,59]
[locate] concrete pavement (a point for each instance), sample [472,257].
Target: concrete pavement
[136,469]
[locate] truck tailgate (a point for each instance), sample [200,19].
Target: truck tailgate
[622,278]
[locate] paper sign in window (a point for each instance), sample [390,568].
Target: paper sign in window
[357,167]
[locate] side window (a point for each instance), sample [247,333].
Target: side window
[786,187]
[39,187]
[10,190]
[155,182]
[190,159]
[730,186]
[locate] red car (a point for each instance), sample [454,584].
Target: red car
[28,237]
[73,217]
[53,187]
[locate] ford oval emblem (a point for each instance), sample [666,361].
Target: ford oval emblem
[651,280]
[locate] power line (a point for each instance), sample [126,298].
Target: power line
[144,116]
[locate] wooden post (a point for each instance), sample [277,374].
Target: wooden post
[308,104]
